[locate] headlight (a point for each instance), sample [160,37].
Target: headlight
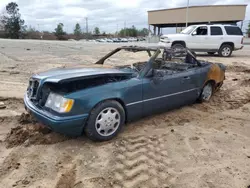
[59,103]
[165,39]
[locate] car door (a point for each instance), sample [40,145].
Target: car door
[198,39]
[216,37]
[168,91]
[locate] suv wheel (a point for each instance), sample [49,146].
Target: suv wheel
[226,50]
[105,121]
[177,46]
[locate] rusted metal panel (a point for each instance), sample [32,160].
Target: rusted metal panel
[216,74]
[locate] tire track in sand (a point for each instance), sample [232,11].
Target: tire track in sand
[141,162]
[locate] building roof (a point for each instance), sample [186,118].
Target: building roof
[197,7]
[227,14]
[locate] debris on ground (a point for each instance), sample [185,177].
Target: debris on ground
[25,182]
[14,72]
[246,82]
[2,105]
[194,138]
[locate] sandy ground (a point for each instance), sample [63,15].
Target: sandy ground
[199,146]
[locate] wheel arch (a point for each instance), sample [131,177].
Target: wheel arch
[213,82]
[179,42]
[228,43]
[119,100]
[215,74]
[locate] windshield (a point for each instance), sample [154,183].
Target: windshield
[188,30]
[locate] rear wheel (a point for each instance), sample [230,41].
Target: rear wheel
[206,93]
[105,121]
[226,50]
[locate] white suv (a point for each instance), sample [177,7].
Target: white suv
[223,39]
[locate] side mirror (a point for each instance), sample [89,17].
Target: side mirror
[194,33]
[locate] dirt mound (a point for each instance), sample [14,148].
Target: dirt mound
[226,100]
[67,179]
[245,82]
[26,119]
[238,68]
[32,135]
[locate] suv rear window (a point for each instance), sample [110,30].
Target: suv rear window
[233,30]
[216,31]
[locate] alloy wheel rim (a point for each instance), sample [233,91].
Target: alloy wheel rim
[107,121]
[226,51]
[177,50]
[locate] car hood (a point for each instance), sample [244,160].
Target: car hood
[172,35]
[68,74]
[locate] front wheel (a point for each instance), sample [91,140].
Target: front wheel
[178,49]
[206,93]
[105,121]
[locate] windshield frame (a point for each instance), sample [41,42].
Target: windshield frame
[190,29]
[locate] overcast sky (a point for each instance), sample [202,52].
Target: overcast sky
[108,15]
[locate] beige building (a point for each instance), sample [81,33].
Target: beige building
[177,17]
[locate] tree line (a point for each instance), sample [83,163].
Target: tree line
[14,27]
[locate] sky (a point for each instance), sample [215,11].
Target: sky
[108,15]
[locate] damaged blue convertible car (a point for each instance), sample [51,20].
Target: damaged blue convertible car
[98,101]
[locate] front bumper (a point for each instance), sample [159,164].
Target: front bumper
[68,125]
[165,44]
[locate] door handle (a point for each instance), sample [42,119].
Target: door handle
[185,79]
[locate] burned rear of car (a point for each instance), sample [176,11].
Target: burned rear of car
[100,100]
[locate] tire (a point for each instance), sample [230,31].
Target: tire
[210,53]
[206,92]
[176,47]
[219,86]
[226,50]
[105,121]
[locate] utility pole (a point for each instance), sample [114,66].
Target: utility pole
[117,29]
[125,28]
[86,24]
[241,26]
[187,13]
